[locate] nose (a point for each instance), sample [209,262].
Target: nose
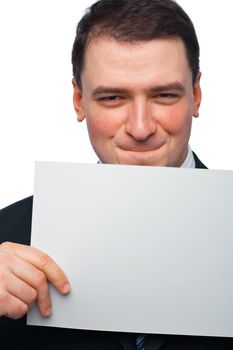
[140,123]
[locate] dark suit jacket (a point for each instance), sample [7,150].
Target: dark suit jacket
[15,226]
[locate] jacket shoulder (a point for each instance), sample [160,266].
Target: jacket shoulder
[15,222]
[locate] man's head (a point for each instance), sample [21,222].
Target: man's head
[136,80]
[134,21]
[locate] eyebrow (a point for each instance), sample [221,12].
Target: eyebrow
[101,90]
[173,86]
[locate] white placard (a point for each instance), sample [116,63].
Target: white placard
[146,249]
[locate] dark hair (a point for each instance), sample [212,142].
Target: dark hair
[132,21]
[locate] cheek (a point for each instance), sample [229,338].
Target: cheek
[96,130]
[101,123]
[177,119]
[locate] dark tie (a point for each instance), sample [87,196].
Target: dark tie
[140,342]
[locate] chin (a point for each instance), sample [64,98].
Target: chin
[141,158]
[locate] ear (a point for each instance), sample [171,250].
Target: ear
[78,101]
[197,96]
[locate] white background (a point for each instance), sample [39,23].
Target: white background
[37,121]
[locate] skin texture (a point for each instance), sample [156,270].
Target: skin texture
[24,275]
[138,101]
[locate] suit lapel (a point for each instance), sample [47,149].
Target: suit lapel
[198,163]
[154,342]
[127,340]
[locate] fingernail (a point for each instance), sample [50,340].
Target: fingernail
[66,288]
[48,311]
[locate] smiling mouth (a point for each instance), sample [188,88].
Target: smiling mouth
[140,149]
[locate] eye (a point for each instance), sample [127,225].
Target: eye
[167,95]
[110,98]
[166,98]
[111,101]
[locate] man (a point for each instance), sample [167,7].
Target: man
[137,83]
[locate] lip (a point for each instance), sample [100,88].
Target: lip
[140,149]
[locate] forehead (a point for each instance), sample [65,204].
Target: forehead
[113,62]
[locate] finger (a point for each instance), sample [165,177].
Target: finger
[43,262]
[37,280]
[25,281]
[21,290]
[11,306]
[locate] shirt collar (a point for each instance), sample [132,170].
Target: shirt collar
[189,161]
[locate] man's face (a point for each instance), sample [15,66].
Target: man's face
[138,101]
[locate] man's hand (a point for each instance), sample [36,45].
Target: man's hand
[24,275]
